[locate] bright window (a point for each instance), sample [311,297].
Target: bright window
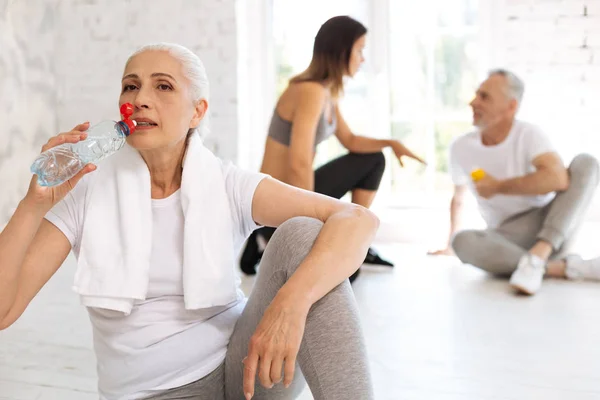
[435,67]
[434,60]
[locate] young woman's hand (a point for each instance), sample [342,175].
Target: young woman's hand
[401,151]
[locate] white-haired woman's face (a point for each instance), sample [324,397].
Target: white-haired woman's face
[154,83]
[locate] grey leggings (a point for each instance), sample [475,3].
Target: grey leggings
[499,250]
[332,355]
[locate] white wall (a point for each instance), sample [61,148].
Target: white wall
[27,93]
[555,46]
[61,63]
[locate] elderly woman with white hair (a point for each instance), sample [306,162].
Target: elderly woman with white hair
[155,229]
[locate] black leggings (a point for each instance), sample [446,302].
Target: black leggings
[345,173]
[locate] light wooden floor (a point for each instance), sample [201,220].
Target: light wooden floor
[435,330]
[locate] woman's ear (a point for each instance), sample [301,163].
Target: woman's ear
[199,113]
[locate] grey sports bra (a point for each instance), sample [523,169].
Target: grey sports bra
[280,130]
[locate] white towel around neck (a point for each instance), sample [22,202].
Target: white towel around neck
[114,258]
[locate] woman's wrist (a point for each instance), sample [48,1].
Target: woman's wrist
[390,143]
[295,297]
[31,208]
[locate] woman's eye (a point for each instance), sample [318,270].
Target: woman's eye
[128,88]
[164,86]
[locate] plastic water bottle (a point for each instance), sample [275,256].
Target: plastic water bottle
[59,164]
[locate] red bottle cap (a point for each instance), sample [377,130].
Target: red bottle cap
[127,111]
[130,125]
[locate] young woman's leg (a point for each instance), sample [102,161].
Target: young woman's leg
[357,173]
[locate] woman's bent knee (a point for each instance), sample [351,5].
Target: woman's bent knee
[379,159]
[298,230]
[374,164]
[291,243]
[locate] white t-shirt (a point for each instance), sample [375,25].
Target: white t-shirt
[510,159]
[161,345]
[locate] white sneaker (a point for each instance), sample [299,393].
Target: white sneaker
[578,268]
[529,274]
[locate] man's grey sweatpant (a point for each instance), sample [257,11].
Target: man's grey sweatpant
[499,250]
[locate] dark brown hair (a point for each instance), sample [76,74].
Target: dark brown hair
[331,52]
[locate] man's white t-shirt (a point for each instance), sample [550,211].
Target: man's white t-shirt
[161,345]
[510,159]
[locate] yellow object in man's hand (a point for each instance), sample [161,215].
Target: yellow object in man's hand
[477,174]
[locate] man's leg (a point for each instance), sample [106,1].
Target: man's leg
[566,212]
[499,250]
[487,250]
[563,216]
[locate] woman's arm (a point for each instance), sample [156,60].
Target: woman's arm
[31,248]
[309,107]
[347,232]
[338,252]
[31,251]
[362,144]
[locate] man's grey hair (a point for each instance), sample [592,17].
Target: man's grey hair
[515,87]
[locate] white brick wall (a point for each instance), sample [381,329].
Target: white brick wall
[61,64]
[555,46]
[27,93]
[96,38]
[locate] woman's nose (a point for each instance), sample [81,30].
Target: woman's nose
[142,99]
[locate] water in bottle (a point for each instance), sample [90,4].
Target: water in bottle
[59,164]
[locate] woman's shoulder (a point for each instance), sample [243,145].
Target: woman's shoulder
[300,95]
[306,90]
[311,96]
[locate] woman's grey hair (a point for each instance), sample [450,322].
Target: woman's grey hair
[515,87]
[193,70]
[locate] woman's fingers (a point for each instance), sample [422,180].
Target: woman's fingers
[74,180]
[81,127]
[264,370]
[86,170]
[400,150]
[276,342]
[73,136]
[408,153]
[419,159]
[290,368]
[276,369]
[250,365]
[68,137]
